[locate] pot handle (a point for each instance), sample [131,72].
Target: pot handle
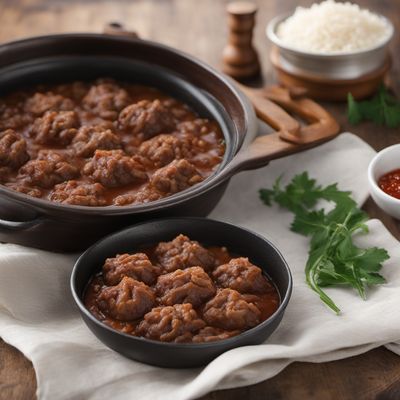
[290,136]
[7,225]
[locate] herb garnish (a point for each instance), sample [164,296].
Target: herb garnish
[383,109]
[333,257]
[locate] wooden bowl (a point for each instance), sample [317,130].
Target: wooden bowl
[330,89]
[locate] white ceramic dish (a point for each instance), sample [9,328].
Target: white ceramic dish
[385,161]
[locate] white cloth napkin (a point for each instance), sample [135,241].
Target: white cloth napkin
[37,314]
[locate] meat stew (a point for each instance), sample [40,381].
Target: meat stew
[182,292]
[103,143]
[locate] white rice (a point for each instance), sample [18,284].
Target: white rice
[331,27]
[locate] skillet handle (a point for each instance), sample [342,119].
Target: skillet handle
[7,225]
[290,137]
[320,124]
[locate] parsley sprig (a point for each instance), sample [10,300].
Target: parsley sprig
[382,109]
[333,257]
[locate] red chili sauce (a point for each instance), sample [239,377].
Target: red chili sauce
[390,183]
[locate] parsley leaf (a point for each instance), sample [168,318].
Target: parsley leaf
[382,109]
[333,257]
[354,114]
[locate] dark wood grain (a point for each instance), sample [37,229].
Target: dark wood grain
[199,28]
[366,377]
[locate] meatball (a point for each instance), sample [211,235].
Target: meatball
[197,127]
[21,188]
[12,149]
[163,149]
[106,100]
[144,195]
[175,323]
[12,117]
[211,334]
[180,111]
[240,274]
[39,103]
[231,310]
[137,266]
[47,170]
[79,193]
[183,253]
[146,117]
[55,127]
[114,168]
[74,90]
[4,174]
[175,177]
[91,138]
[127,301]
[191,285]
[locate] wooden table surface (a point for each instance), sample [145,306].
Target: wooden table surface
[199,28]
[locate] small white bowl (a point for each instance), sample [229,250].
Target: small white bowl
[385,161]
[330,66]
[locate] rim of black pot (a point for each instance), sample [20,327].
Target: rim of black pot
[210,182]
[282,306]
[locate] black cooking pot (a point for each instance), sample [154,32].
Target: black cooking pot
[60,58]
[209,232]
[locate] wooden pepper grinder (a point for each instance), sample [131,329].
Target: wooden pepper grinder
[240,59]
